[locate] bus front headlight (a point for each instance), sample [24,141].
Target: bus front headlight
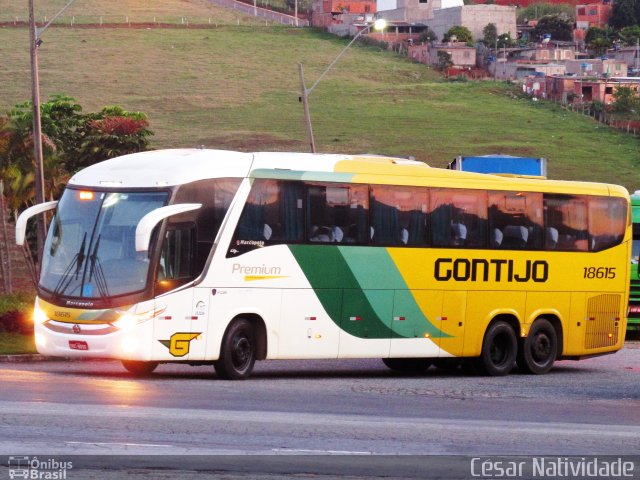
[128,320]
[39,317]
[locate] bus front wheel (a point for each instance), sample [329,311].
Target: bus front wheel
[139,368]
[539,349]
[237,352]
[499,350]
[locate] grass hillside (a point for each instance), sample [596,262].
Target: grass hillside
[237,86]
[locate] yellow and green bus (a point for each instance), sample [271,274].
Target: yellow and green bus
[224,258]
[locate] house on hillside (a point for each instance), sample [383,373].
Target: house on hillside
[441,15]
[570,89]
[393,32]
[460,55]
[628,55]
[418,10]
[328,12]
[475,18]
[596,67]
[596,14]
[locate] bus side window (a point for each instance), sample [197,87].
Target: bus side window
[515,220]
[273,215]
[565,221]
[458,218]
[607,222]
[399,215]
[177,258]
[337,213]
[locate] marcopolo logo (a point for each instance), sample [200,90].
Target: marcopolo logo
[494,270]
[38,469]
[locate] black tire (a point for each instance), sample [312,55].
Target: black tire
[539,349]
[139,368]
[408,365]
[237,352]
[499,350]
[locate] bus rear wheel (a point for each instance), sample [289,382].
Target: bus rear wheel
[499,350]
[407,365]
[237,352]
[139,368]
[539,349]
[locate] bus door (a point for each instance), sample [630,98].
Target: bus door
[180,328]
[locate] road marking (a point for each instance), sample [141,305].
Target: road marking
[320,452]
[120,444]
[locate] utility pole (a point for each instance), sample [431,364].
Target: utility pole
[34,43]
[380,25]
[304,98]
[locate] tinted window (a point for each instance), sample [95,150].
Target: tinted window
[337,213]
[607,222]
[458,218]
[566,224]
[399,215]
[515,220]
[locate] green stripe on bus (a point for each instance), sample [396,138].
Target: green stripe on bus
[302,175]
[366,307]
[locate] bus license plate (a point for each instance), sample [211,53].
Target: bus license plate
[78,345]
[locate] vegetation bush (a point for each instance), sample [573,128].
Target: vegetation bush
[15,314]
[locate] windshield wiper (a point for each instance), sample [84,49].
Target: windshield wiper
[67,277]
[96,267]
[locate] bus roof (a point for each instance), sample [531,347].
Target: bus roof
[158,168]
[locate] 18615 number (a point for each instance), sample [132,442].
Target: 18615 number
[599,272]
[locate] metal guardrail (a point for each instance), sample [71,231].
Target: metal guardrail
[115,19]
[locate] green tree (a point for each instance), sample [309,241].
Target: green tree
[490,35]
[626,100]
[625,13]
[630,35]
[71,140]
[599,40]
[505,40]
[108,133]
[460,34]
[535,11]
[558,27]
[428,35]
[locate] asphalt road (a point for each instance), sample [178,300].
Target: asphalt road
[292,414]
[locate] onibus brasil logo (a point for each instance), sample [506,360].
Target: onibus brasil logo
[34,468]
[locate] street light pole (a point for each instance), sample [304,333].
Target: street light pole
[304,97]
[37,128]
[34,43]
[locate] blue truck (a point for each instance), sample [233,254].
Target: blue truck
[501,164]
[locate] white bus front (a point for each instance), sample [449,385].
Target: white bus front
[112,251]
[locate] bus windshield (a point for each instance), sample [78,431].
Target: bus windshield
[90,250]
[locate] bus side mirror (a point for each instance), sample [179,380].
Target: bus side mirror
[151,219]
[23,218]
